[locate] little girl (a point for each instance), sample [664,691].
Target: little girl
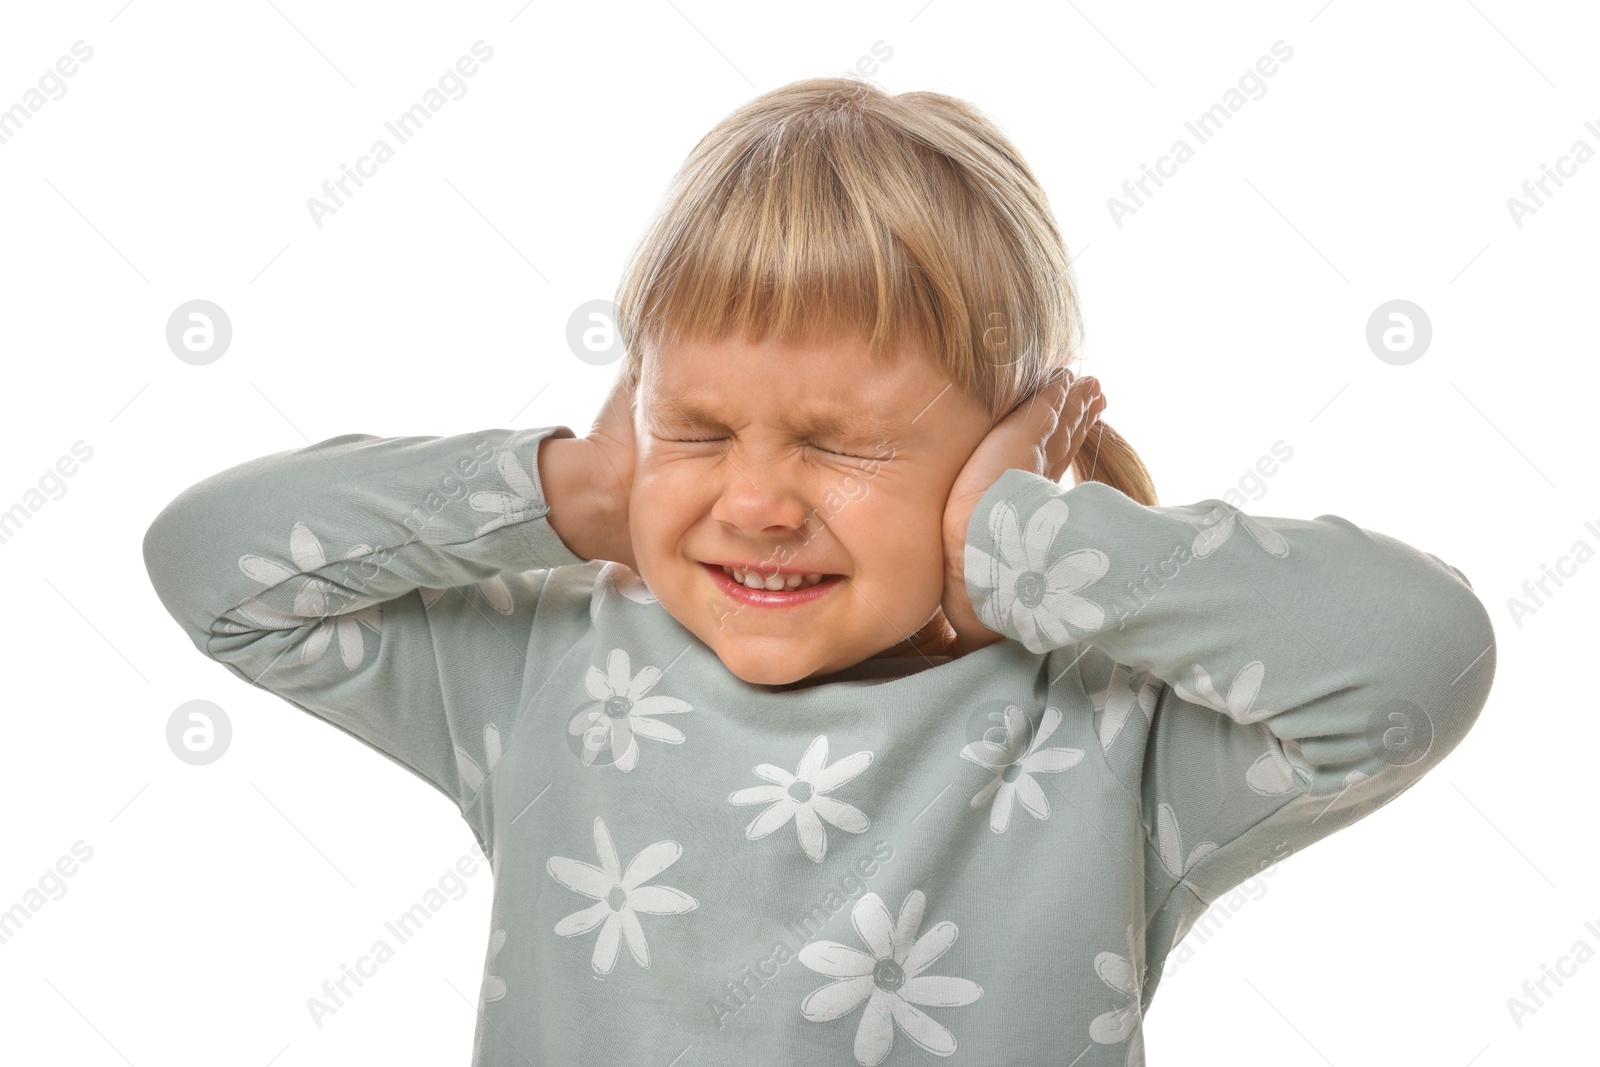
[804,715]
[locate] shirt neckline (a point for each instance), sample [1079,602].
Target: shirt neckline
[951,670]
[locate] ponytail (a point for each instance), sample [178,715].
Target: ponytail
[1106,457]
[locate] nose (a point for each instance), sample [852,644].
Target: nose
[763,498]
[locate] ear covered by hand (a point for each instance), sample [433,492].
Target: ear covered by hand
[1042,434]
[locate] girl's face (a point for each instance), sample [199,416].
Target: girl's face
[796,459]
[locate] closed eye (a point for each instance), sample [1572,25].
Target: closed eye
[831,452]
[814,448]
[695,441]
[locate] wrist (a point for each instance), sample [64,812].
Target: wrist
[969,631]
[609,490]
[579,489]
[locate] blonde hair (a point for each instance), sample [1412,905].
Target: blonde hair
[827,207]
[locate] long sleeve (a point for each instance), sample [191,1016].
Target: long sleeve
[1256,683]
[386,585]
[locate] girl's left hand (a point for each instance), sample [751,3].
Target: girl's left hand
[1042,434]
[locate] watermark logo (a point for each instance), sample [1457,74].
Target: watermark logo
[51,886]
[1399,332]
[1536,992]
[199,332]
[1203,128]
[51,486]
[1399,732]
[1224,908]
[591,732]
[1566,167]
[986,725]
[866,66]
[1566,567]
[451,885]
[592,333]
[14,117]
[623,708]
[199,732]
[734,995]
[403,128]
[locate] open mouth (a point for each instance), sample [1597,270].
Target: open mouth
[752,587]
[754,579]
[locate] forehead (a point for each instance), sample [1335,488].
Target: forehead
[839,368]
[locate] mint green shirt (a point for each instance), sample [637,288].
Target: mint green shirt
[986,859]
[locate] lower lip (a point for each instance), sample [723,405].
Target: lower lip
[769,598]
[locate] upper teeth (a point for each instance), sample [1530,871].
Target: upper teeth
[752,580]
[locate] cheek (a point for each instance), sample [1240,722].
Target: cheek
[894,533]
[659,509]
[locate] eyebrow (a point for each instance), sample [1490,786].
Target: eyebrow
[851,424]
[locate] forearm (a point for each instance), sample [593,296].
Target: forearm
[333,528]
[1317,629]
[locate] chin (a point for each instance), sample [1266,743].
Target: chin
[762,672]
[772,668]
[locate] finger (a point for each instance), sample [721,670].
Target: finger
[1092,400]
[1074,402]
[1081,410]
[1037,416]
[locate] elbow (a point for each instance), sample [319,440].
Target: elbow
[1476,651]
[161,547]
[155,537]
[1451,674]
[1446,658]
[173,550]
[1424,670]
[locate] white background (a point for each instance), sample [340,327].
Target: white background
[1227,313]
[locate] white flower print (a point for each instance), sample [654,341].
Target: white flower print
[520,504]
[621,580]
[472,775]
[1218,527]
[1241,693]
[1012,766]
[1126,976]
[622,710]
[494,987]
[1274,774]
[888,978]
[617,580]
[494,590]
[1169,846]
[1267,776]
[1030,595]
[620,895]
[1125,690]
[802,796]
[310,601]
